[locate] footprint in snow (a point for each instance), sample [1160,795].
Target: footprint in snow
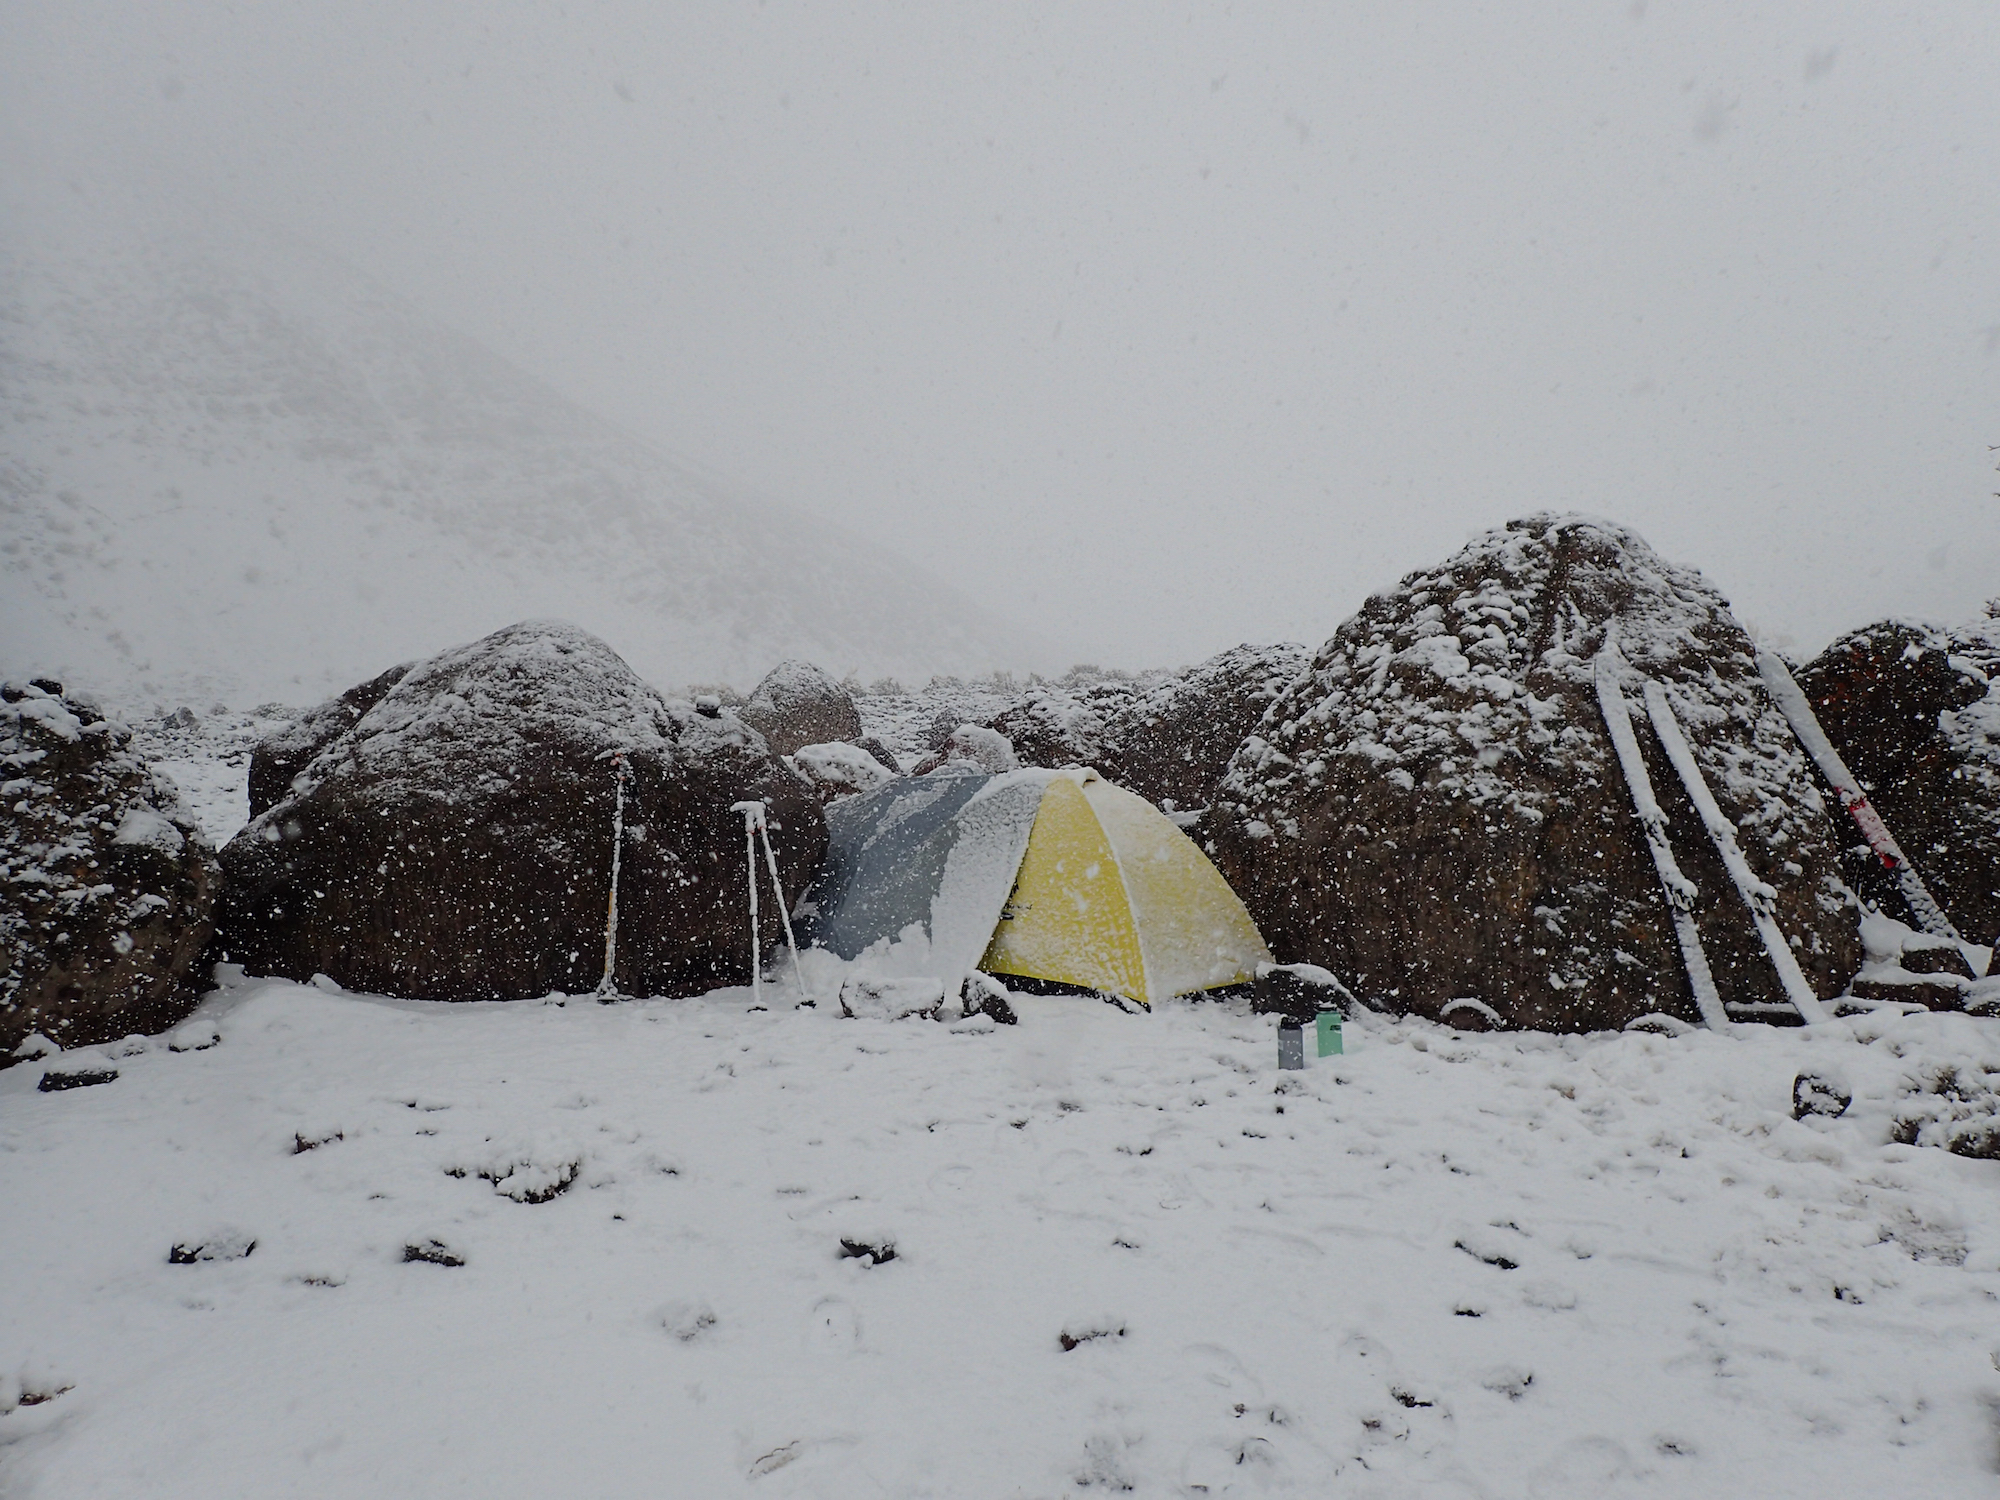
[687,1319]
[833,1321]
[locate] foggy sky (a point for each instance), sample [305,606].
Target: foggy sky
[1162,328]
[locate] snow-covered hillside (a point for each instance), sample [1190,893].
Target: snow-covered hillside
[231,467]
[530,1250]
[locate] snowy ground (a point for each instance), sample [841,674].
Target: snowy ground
[209,760]
[1443,1265]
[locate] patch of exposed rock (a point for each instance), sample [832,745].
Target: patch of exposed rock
[1914,710]
[454,842]
[1434,809]
[798,704]
[107,888]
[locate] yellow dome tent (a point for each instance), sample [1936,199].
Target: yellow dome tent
[1059,876]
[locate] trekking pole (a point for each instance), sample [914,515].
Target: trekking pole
[791,943]
[753,819]
[607,987]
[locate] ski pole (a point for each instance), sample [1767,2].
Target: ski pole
[753,819]
[607,986]
[777,886]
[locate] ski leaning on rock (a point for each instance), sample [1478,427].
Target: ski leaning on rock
[1681,892]
[1798,712]
[1758,896]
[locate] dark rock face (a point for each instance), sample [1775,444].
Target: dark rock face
[107,888]
[798,704]
[1174,743]
[1434,811]
[1915,713]
[454,843]
[281,755]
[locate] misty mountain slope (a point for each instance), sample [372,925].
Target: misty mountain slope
[217,481]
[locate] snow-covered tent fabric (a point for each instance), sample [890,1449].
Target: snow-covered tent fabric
[1051,875]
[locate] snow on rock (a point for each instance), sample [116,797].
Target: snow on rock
[1172,743]
[1050,724]
[1670,1288]
[283,753]
[107,887]
[1433,809]
[840,770]
[974,747]
[454,842]
[799,704]
[1914,711]
[1166,735]
[1053,728]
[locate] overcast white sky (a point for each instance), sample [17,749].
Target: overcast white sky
[1173,327]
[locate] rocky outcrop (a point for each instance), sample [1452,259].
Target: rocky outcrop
[454,842]
[1173,743]
[797,704]
[283,753]
[107,888]
[1434,810]
[1914,710]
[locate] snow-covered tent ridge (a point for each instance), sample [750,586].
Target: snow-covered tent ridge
[1050,875]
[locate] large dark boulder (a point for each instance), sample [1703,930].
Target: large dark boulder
[283,753]
[1434,810]
[107,887]
[1174,742]
[1914,710]
[454,843]
[798,704]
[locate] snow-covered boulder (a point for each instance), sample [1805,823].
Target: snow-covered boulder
[839,770]
[799,704]
[972,747]
[454,843]
[1914,710]
[1173,743]
[1053,727]
[107,888]
[288,750]
[1435,812]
